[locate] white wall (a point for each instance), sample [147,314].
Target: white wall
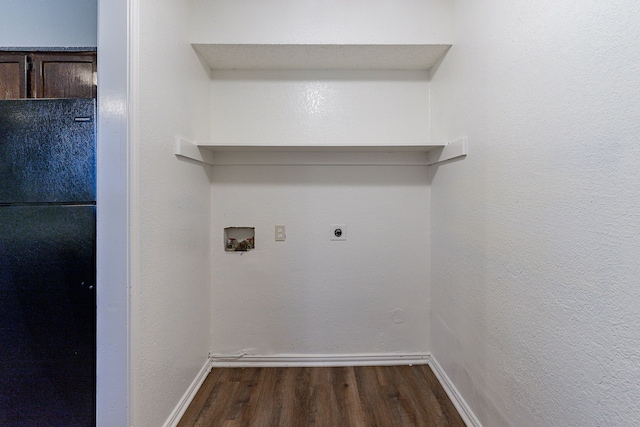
[41,23]
[326,22]
[311,296]
[535,235]
[170,209]
[315,107]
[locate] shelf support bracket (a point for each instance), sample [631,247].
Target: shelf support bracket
[191,151]
[453,150]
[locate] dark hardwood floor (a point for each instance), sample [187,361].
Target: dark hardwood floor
[345,396]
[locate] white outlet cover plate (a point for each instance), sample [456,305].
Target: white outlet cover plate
[343,232]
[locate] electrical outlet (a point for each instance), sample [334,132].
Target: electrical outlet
[280,233]
[338,232]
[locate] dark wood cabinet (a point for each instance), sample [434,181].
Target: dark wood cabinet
[47,75]
[63,76]
[13,76]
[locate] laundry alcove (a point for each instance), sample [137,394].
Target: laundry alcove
[307,135]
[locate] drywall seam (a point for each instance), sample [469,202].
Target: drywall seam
[185,401]
[316,360]
[461,405]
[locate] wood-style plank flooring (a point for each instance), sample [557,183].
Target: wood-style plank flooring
[344,396]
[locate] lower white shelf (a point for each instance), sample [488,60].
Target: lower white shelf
[418,155]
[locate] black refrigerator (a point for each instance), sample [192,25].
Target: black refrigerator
[47,262]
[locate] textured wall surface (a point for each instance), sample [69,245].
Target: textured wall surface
[37,23]
[535,236]
[309,295]
[170,264]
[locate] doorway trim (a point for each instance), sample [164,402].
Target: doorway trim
[113,222]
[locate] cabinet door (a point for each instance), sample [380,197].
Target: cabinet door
[13,76]
[63,76]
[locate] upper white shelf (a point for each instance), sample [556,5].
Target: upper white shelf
[321,56]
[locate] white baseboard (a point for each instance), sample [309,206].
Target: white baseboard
[464,410]
[188,396]
[284,360]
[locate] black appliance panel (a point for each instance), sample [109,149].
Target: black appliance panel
[47,151]
[47,315]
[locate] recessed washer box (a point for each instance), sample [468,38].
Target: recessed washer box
[239,239]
